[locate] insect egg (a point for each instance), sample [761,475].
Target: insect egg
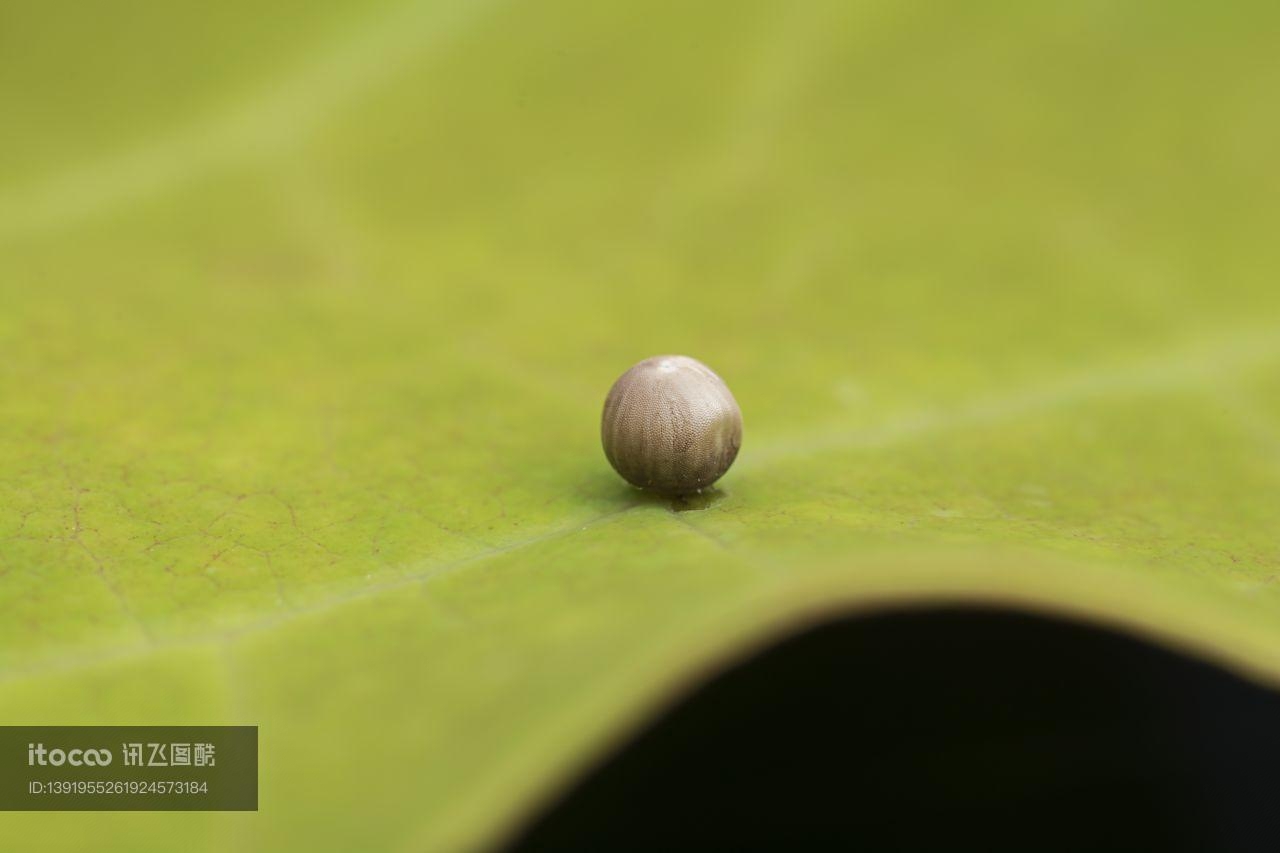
[671,426]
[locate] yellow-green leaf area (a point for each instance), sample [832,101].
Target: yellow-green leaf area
[307,314]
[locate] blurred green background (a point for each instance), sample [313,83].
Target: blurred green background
[307,312]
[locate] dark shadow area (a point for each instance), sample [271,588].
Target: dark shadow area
[943,729]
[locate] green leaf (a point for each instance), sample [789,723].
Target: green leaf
[308,315]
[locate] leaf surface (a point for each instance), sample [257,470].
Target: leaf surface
[308,314]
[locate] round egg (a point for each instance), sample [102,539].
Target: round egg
[671,425]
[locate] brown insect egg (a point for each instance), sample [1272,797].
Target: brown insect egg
[671,426]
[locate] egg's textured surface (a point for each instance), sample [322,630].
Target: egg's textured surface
[671,425]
